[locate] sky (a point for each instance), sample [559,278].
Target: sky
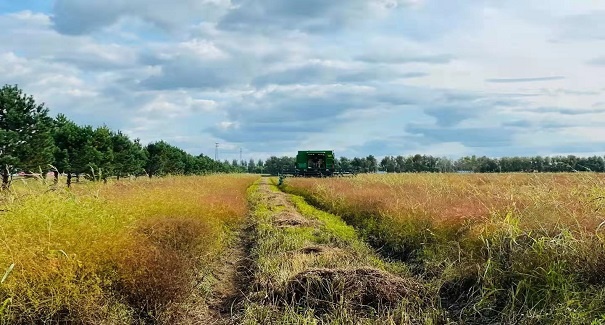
[271,77]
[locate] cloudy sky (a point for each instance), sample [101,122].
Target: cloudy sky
[382,77]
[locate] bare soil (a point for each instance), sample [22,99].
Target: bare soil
[292,219]
[233,275]
[230,286]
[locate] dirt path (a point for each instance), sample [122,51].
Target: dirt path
[230,284]
[311,267]
[230,280]
[296,264]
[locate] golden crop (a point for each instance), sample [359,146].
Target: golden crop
[111,252]
[495,246]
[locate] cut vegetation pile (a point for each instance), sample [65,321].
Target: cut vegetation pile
[516,248]
[121,253]
[354,289]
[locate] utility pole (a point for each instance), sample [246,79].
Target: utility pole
[216,152]
[241,162]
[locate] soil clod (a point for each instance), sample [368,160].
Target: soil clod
[290,219]
[318,249]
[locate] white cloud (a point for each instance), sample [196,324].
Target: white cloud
[445,78]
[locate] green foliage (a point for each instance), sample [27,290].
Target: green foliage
[30,141]
[25,140]
[428,164]
[129,157]
[281,254]
[275,165]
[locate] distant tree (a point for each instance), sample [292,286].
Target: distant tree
[192,165]
[537,163]
[63,133]
[85,152]
[73,147]
[594,164]
[344,164]
[371,164]
[388,164]
[175,160]
[26,142]
[468,164]
[400,164]
[128,155]
[357,165]
[487,165]
[156,158]
[251,166]
[260,166]
[445,165]
[102,163]
[204,164]
[275,165]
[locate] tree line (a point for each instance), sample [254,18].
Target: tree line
[483,164]
[32,142]
[472,164]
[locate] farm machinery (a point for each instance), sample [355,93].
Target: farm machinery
[316,163]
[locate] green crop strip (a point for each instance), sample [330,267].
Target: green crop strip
[322,241]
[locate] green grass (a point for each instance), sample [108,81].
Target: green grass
[277,258]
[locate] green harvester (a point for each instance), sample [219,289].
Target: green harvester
[315,163]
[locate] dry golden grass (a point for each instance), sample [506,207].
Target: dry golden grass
[539,201]
[498,247]
[112,253]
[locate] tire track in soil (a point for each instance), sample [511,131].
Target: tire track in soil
[232,274]
[230,285]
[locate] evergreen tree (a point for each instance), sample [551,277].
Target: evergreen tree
[26,143]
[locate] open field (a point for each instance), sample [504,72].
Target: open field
[512,248]
[121,253]
[372,249]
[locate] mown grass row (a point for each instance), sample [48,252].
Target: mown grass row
[314,269]
[122,253]
[501,248]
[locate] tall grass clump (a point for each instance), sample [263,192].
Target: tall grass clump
[118,253]
[514,248]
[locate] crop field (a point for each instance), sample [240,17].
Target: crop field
[121,253]
[370,249]
[513,248]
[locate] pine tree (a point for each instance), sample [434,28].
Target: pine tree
[26,143]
